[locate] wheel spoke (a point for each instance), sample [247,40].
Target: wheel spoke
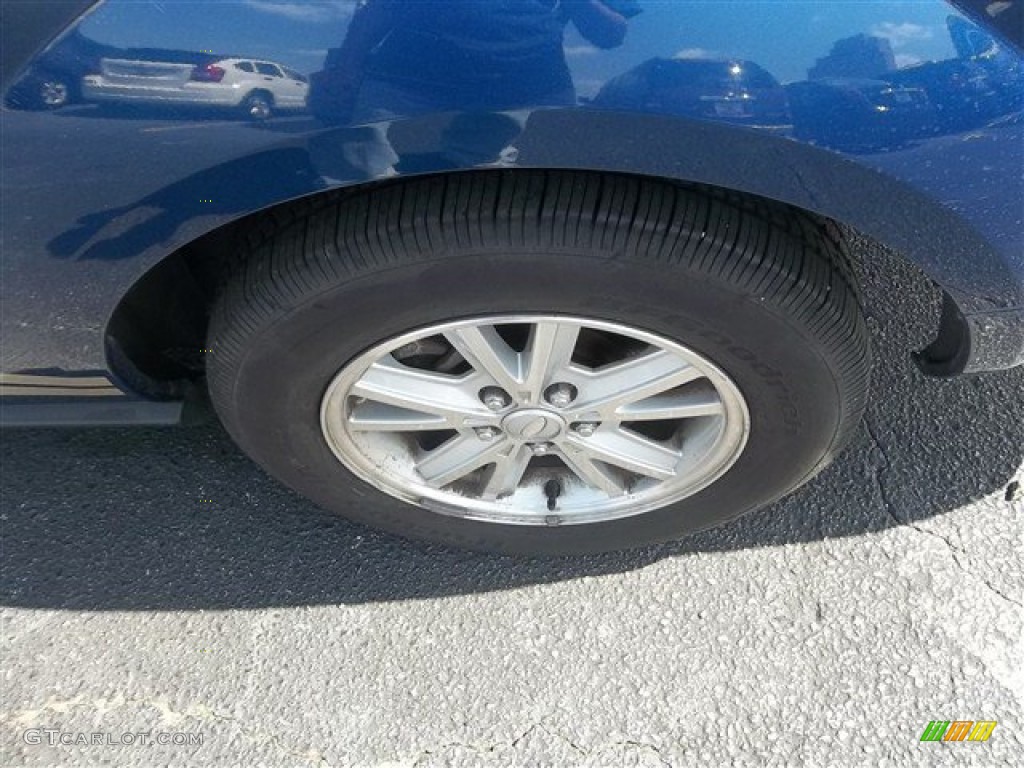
[485,350]
[369,416]
[457,458]
[548,353]
[507,472]
[454,399]
[671,405]
[630,451]
[590,472]
[611,387]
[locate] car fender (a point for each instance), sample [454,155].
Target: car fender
[92,203]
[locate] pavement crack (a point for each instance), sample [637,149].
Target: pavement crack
[540,726]
[638,745]
[877,475]
[955,552]
[480,749]
[525,734]
[558,735]
[311,756]
[202,712]
[514,743]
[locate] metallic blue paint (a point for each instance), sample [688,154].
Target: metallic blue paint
[902,120]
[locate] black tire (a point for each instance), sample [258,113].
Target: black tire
[54,93]
[258,106]
[40,91]
[764,292]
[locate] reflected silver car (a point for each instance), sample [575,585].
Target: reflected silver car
[257,88]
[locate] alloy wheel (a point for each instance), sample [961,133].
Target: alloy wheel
[53,93]
[531,420]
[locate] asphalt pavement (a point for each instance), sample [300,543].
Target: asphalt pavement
[157,586]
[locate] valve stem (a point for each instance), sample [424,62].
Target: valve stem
[552,489]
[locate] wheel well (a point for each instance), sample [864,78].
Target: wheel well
[262,92]
[156,337]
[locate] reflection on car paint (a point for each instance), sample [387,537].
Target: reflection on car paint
[876,91]
[400,59]
[726,90]
[255,87]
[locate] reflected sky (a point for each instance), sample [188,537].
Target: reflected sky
[298,33]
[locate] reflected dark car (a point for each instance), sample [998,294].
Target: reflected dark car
[964,91]
[55,78]
[858,114]
[732,91]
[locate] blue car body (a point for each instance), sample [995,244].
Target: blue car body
[102,202]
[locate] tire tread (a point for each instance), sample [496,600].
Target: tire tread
[793,261]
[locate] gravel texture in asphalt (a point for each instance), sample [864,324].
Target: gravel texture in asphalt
[157,581]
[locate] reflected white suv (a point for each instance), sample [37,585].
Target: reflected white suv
[256,87]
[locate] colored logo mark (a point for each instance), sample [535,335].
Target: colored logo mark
[958,730]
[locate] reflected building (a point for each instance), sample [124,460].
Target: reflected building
[856,100]
[860,56]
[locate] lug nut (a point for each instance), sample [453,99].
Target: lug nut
[560,395]
[486,433]
[540,449]
[585,429]
[495,398]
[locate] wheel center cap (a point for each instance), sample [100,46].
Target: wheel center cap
[533,424]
